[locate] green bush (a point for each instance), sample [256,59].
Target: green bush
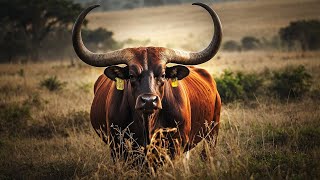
[291,82]
[229,87]
[52,83]
[238,86]
[251,83]
[287,83]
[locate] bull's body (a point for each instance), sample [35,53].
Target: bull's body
[149,101]
[189,107]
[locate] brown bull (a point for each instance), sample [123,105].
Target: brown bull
[144,96]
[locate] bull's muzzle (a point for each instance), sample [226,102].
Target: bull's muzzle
[148,103]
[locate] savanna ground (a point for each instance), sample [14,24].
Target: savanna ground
[47,134]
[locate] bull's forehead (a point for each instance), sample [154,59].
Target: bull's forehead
[147,59]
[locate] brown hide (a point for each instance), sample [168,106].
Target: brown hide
[190,106]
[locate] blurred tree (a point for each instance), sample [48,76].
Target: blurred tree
[250,43]
[100,38]
[231,45]
[154,2]
[306,33]
[36,19]
[12,43]
[96,36]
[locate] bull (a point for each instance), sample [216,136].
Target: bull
[146,94]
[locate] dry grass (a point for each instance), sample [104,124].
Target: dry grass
[265,138]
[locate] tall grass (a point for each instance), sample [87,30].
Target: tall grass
[49,135]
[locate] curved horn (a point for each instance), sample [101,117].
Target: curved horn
[194,58]
[95,59]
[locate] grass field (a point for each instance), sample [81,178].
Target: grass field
[47,134]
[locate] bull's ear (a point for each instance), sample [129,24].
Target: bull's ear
[114,72]
[178,71]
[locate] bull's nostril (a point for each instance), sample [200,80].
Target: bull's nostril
[154,98]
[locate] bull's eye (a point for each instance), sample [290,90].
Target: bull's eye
[161,76]
[132,77]
[161,79]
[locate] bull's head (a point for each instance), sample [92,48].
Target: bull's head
[146,67]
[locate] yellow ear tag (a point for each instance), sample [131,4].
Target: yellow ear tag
[174,82]
[119,84]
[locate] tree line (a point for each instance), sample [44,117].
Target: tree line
[130,4]
[298,35]
[36,28]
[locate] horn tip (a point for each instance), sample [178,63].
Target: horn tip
[94,6]
[197,3]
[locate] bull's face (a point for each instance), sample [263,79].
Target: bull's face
[147,76]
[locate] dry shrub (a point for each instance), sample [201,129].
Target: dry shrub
[52,83]
[132,157]
[158,151]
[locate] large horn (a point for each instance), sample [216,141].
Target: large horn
[194,58]
[95,59]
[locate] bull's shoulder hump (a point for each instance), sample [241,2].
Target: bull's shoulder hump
[201,73]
